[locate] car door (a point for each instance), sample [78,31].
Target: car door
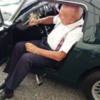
[3,41]
[7,20]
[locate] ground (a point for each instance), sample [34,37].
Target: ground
[49,90]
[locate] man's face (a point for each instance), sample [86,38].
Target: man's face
[67,15]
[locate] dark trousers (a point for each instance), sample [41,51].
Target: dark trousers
[22,62]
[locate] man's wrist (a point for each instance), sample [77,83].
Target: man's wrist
[34,52]
[39,21]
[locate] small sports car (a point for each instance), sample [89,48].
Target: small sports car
[81,68]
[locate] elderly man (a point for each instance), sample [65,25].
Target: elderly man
[46,52]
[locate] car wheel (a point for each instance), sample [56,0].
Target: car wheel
[91,86]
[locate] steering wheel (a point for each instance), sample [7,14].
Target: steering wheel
[46,10]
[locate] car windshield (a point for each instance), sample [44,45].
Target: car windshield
[6,8]
[9,8]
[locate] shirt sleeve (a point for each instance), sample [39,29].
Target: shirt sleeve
[71,39]
[56,20]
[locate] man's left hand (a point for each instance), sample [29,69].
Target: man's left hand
[30,47]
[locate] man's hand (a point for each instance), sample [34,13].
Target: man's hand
[30,47]
[33,22]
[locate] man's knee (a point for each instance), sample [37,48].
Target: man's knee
[20,45]
[27,57]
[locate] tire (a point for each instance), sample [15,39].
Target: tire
[91,86]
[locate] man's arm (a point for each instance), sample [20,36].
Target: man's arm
[55,55]
[46,20]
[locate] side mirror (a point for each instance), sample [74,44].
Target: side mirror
[1,19]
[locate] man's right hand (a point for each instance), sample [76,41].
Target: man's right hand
[33,22]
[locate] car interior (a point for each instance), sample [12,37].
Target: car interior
[23,32]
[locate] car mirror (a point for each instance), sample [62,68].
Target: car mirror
[1,19]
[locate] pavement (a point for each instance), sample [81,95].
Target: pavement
[49,90]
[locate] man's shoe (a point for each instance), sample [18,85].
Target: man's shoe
[2,85]
[4,96]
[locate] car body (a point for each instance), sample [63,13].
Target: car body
[82,65]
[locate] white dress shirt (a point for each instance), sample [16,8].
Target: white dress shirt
[61,30]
